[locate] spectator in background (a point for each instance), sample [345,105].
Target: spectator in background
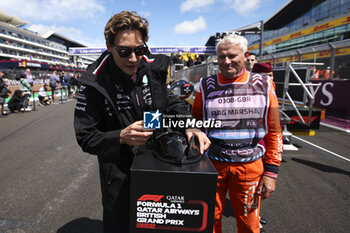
[2,86]
[43,95]
[263,68]
[64,79]
[199,60]
[73,84]
[327,73]
[175,58]
[69,85]
[26,88]
[4,93]
[316,73]
[16,102]
[178,61]
[181,59]
[250,61]
[77,79]
[29,77]
[189,61]
[54,81]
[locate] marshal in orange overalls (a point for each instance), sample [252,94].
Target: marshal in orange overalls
[241,178]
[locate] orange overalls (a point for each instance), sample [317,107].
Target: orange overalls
[241,179]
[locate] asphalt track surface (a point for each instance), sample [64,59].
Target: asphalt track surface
[47,184]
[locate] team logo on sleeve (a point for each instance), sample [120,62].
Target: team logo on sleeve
[151,120]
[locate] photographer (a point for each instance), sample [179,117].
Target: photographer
[26,88]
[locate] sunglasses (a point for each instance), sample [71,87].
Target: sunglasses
[124,51]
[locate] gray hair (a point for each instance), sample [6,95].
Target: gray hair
[234,39]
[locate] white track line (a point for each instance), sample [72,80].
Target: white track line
[321,148]
[335,127]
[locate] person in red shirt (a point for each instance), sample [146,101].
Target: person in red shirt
[263,68]
[247,106]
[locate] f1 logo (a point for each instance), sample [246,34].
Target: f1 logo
[149,197]
[151,120]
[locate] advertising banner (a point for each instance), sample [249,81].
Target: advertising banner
[186,49]
[25,64]
[86,51]
[332,95]
[208,50]
[317,28]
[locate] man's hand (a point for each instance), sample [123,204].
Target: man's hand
[135,134]
[266,186]
[203,140]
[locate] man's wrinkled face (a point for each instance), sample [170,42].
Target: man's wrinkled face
[231,59]
[130,39]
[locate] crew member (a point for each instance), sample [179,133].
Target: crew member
[250,61]
[247,106]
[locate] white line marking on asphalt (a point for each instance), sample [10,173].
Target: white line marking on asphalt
[290,147]
[321,148]
[335,127]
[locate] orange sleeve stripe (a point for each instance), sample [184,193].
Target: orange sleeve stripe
[273,138]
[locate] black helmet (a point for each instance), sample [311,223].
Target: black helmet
[172,147]
[181,89]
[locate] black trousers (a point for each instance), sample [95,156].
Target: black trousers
[114,224]
[15,106]
[116,220]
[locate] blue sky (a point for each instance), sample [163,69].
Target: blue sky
[172,22]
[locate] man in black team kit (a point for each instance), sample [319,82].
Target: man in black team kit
[114,92]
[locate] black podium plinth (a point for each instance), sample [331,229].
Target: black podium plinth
[171,198]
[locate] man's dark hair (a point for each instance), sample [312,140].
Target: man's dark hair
[125,20]
[253,54]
